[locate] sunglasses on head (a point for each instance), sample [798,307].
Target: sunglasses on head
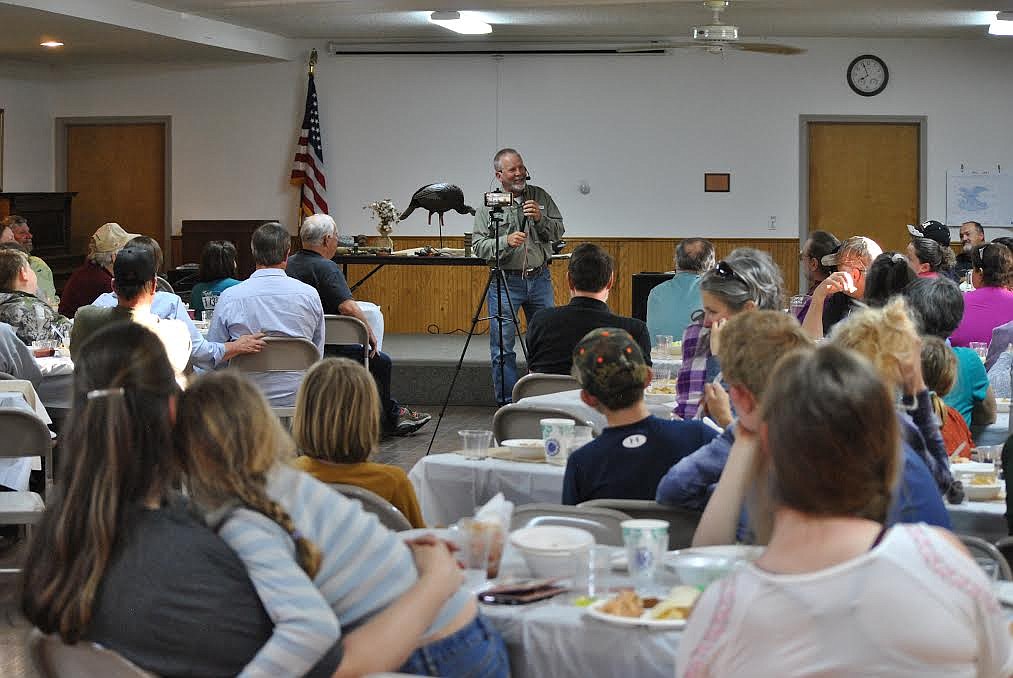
[725,270]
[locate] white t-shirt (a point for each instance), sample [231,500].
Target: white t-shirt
[912,606]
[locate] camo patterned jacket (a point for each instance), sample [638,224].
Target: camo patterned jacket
[32,318]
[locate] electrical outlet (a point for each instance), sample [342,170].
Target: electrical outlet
[773,224]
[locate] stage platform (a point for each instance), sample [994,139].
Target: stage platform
[424,365]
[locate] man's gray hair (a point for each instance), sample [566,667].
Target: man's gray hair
[694,254]
[497,160]
[270,244]
[317,227]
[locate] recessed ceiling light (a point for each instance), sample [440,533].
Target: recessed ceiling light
[460,22]
[1002,24]
[51,44]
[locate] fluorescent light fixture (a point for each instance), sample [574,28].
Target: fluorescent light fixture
[460,22]
[1002,24]
[51,44]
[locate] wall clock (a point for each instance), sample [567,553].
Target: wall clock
[868,75]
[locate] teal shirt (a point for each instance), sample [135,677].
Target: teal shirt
[671,304]
[205,295]
[972,383]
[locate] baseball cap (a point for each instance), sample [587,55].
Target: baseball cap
[133,266]
[608,360]
[933,230]
[858,246]
[110,237]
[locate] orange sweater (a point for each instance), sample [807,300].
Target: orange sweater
[390,482]
[955,431]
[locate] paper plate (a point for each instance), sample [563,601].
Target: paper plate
[1002,404]
[525,448]
[594,610]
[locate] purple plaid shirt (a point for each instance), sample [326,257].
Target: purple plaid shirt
[696,350]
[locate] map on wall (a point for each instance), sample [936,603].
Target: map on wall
[985,198]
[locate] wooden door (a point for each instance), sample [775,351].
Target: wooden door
[864,180]
[118,171]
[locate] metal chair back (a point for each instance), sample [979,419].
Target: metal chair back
[536,384]
[982,550]
[388,514]
[281,354]
[512,421]
[682,523]
[52,658]
[344,330]
[603,523]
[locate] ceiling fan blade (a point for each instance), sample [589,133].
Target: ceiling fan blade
[655,47]
[766,48]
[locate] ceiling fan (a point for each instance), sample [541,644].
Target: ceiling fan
[716,38]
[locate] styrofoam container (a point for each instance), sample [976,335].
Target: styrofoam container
[549,549]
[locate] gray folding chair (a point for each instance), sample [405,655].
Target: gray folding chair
[388,514]
[982,550]
[280,354]
[522,421]
[536,384]
[344,330]
[52,658]
[682,523]
[24,435]
[601,522]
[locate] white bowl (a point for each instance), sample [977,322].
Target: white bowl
[702,566]
[982,492]
[549,549]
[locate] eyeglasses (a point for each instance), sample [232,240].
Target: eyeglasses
[725,270]
[842,265]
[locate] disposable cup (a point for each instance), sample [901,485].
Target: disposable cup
[556,436]
[646,541]
[475,443]
[474,541]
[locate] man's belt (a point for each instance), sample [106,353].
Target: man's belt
[526,273]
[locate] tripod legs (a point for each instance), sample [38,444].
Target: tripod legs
[501,285]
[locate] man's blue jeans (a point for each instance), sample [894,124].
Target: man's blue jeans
[530,294]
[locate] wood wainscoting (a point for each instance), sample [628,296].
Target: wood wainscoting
[442,299]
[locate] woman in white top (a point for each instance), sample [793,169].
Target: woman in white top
[836,594]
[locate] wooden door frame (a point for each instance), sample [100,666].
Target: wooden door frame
[803,164]
[60,161]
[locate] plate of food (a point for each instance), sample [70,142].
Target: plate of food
[626,608]
[1002,404]
[525,448]
[982,491]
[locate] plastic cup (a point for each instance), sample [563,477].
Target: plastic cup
[664,343]
[981,348]
[556,436]
[474,541]
[662,375]
[593,568]
[646,541]
[476,443]
[796,304]
[582,435]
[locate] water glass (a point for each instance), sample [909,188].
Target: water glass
[796,305]
[664,344]
[476,443]
[981,348]
[556,436]
[646,541]
[594,567]
[474,543]
[662,375]
[582,435]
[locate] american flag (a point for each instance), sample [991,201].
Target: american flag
[308,166]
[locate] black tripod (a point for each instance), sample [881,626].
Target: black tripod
[495,273]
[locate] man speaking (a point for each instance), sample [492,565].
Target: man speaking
[529,226]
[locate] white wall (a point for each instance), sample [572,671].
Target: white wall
[641,130]
[28,135]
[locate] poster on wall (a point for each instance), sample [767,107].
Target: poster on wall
[985,197]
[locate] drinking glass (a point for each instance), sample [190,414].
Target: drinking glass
[646,541]
[582,435]
[796,304]
[664,344]
[473,543]
[476,443]
[981,348]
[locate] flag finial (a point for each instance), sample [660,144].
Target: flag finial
[313,61]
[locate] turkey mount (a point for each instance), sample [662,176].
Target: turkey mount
[438,199]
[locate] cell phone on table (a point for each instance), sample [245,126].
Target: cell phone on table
[522,592]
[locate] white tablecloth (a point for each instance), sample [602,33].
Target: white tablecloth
[56,390]
[993,434]
[450,487]
[570,401]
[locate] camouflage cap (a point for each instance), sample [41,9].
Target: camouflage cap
[607,360]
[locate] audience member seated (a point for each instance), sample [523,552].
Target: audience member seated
[216,274]
[937,306]
[671,304]
[632,454]
[554,332]
[16,359]
[888,338]
[834,455]
[302,541]
[929,259]
[337,428]
[119,558]
[888,276]
[818,245]
[1002,339]
[972,236]
[134,282]
[313,266]
[95,275]
[273,303]
[751,344]
[837,296]
[990,304]
[6,233]
[747,280]
[999,375]
[30,316]
[23,236]
[204,354]
[939,366]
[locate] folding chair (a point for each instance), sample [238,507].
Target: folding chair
[536,384]
[53,658]
[280,354]
[981,549]
[344,330]
[388,514]
[682,523]
[24,435]
[513,421]
[601,522]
